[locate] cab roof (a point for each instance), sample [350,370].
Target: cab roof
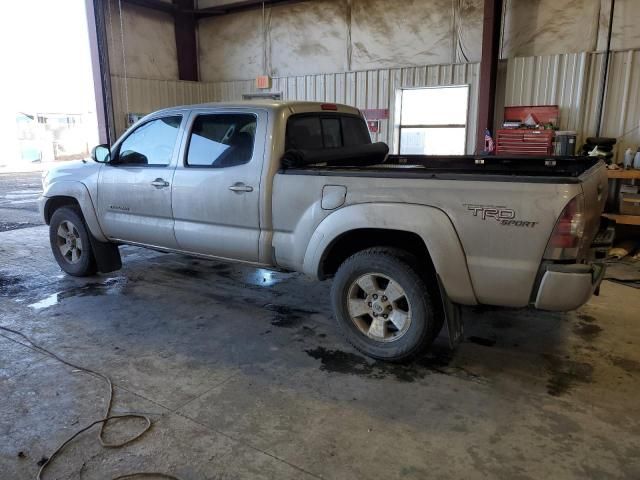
[272,105]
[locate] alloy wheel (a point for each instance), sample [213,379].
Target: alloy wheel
[69,242]
[379,307]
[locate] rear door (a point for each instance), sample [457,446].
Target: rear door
[134,190]
[216,187]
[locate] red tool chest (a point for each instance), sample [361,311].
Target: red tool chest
[527,141]
[521,141]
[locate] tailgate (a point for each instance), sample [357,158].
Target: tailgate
[594,184]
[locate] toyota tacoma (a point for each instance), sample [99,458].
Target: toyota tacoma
[299,186]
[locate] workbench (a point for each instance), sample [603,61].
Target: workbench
[623,174]
[615,176]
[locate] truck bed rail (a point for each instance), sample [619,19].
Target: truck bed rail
[548,169]
[570,166]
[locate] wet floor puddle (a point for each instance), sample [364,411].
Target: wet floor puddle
[437,360]
[286,316]
[259,277]
[111,286]
[565,373]
[11,285]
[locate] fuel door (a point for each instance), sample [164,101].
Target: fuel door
[333,196]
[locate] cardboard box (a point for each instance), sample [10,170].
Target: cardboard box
[630,203]
[629,189]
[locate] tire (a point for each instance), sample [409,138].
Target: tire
[67,231]
[381,270]
[602,141]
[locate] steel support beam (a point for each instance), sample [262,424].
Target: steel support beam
[605,71]
[488,69]
[186,41]
[153,5]
[241,6]
[100,70]
[225,9]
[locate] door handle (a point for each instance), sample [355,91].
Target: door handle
[160,183]
[240,187]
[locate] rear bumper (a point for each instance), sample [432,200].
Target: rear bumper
[567,287]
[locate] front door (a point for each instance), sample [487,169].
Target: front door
[134,191]
[216,186]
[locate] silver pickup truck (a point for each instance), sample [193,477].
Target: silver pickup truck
[299,186]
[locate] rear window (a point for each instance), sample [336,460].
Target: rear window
[354,131]
[317,131]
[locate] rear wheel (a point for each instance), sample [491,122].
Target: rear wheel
[382,304]
[70,242]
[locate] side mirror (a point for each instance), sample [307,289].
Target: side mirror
[101,154]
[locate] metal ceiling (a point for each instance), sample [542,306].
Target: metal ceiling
[209,8]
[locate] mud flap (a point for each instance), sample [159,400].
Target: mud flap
[453,318]
[107,255]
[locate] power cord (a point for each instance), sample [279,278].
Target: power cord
[103,421]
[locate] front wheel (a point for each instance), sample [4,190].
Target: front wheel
[70,242]
[382,304]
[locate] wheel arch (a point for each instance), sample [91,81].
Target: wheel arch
[352,241]
[424,231]
[54,203]
[61,194]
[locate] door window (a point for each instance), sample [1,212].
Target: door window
[221,140]
[150,144]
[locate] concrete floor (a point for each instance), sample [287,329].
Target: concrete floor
[18,200]
[245,376]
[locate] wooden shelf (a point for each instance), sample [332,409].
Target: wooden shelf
[623,219]
[628,174]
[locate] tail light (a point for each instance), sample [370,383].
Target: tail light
[568,233]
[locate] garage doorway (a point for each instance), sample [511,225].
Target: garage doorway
[433,120]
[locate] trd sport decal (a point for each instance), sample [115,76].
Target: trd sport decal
[503,215]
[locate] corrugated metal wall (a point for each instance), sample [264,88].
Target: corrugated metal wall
[146,96]
[621,116]
[573,81]
[372,89]
[550,80]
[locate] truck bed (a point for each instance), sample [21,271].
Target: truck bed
[533,190]
[549,169]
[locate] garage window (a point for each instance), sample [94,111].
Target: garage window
[433,121]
